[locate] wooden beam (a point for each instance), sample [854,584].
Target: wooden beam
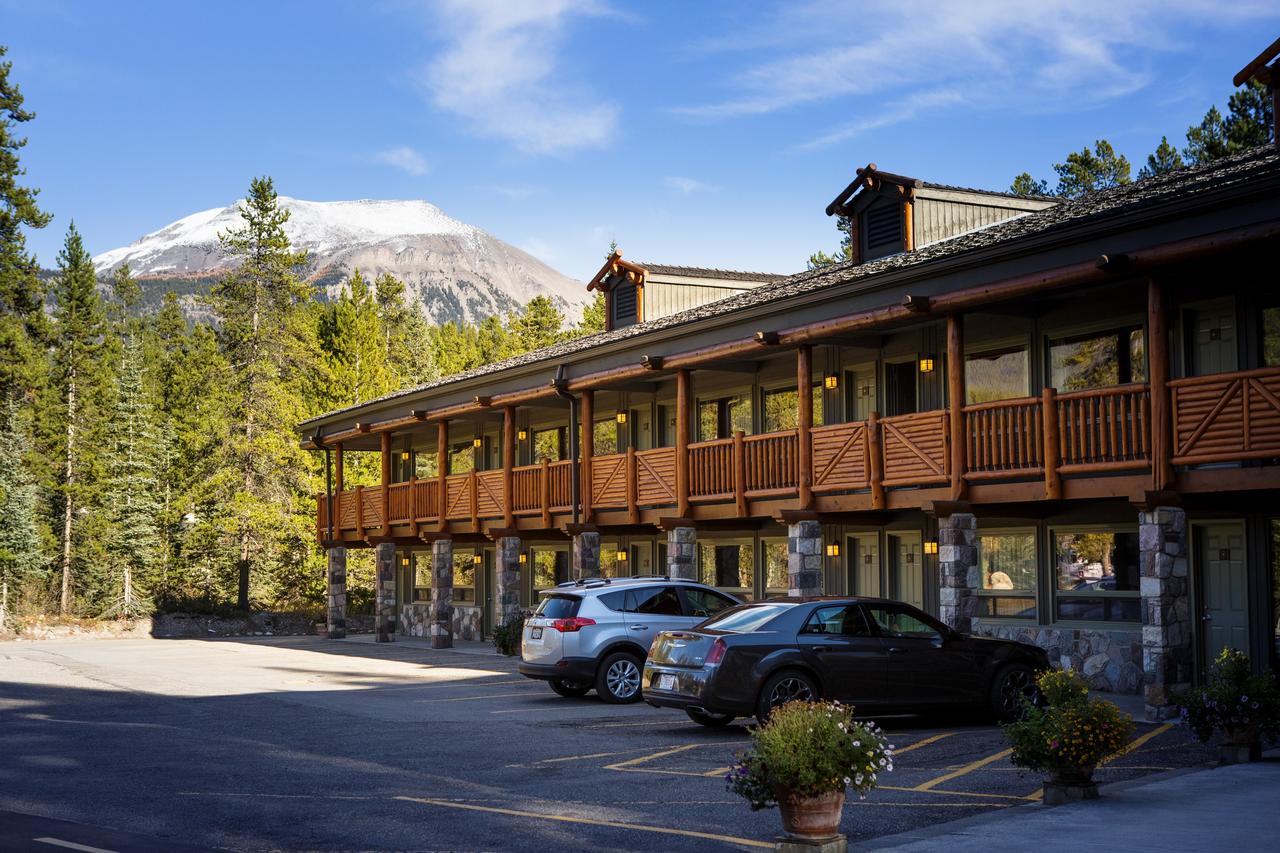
[588,445]
[916,304]
[804,418]
[633,487]
[956,401]
[1271,52]
[767,339]
[1158,378]
[651,362]
[740,473]
[508,465]
[683,403]
[908,230]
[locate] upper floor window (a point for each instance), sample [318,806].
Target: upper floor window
[1000,374]
[1098,359]
[780,409]
[604,437]
[549,444]
[722,417]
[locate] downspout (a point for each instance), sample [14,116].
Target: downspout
[328,485]
[561,384]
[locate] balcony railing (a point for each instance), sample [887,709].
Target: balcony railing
[1223,418]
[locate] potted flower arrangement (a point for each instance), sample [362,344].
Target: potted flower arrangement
[804,758]
[1243,707]
[1066,735]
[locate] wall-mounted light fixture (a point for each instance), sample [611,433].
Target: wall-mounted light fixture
[477,442]
[621,556]
[622,417]
[404,456]
[477,558]
[524,558]
[926,364]
[404,561]
[931,547]
[833,550]
[832,382]
[522,435]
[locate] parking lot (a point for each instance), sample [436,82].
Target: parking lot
[306,744]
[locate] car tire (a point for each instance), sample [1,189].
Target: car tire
[1012,683]
[708,719]
[783,687]
[618,679]
[568,690]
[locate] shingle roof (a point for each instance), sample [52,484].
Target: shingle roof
[711,272]
[1001,193]
[1118,201]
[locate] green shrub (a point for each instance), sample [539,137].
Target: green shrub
[506,637]
[1235,701]
[1071,732]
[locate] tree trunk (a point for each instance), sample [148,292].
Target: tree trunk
[65,604]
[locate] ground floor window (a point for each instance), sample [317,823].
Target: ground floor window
[1097,575]
[465,565]
[775,567]
[614,561]
[420,568]
[729,566]
[1275,590]
[550,567]
[1007,571]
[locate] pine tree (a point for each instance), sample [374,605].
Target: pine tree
[1164,159]
[1207,141]
[844,253]
[23,326]
[20,555]
[593,317]
[266,336]
[1249,121]
[1086,171]
[539,325]
[355,339]
[1024,184]
[79,385]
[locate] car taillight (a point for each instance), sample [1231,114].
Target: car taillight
[717,652]
[568,626]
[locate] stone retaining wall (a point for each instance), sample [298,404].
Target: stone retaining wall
[189,626]
[1109,660]
[415,621]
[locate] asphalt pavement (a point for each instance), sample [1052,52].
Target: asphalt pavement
[297,743]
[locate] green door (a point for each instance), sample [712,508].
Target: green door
[1224,590]
[864,564]
[906,568]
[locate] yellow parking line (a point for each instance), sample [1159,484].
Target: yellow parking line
[630,763]
[474,698]
[968,768]
[566,758]
[663,830]
[920,743]
[951,793]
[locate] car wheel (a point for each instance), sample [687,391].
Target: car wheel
[618,681]
[711,721]
[1009,688]
[568,690]
[784,687]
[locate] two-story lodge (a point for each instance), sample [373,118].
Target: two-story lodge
[1052,420]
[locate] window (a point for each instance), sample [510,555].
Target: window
[1007,565]
[899,622]
[722,417]
[558,606]
[775,567]
[996,375]
[604,437]
[1097,575]
[550,567]
[609,565]
[420,566]
[703,602]
[727,566]
[1271,337]
[748,619]
[654,600]
[464,577]
[616,601]
[462,458]
[860,385]
[1097,360]
[842,621]
[424,465]
[549,444]
[780,409]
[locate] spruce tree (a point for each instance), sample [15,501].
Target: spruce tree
[21,558]
[1086,172]
[79,385]
[1164,159]
[355,341]
[23,326]
[539,325]
[593,317]
[1207,141]
[844,253]
[1249,121]
[1024,184]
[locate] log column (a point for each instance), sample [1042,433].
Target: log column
[385,592]
[336,576]
[955,402]
[683,403]
[442,471]
[441,594]
[804,404]
[588,445]
[508,466]
[386,483]
[1158,382]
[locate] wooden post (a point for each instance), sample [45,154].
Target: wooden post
[1052,450]
[804,405]
[875,451]
[908,226]
[359,512]
[442,471]
[955,402]
[508,466]
[633,487]
[588,446]
[683,403]
[475,502]
[544,484]
[386,483]
[740,472]
[1158,382]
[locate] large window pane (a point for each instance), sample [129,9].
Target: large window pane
[550,567]
[462,458]
[708,420]
[464,577]
[1271,337]
[775,567]
[549,444]
[996,376]
[1097,361]
[604,436]
[1007,565]
[729,566]
[1097,575]
[781,410]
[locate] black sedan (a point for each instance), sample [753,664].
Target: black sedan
[876,654]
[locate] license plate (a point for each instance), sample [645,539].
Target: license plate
[666,682]
[535,634]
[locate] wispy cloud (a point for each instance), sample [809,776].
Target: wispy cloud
[501,71]
[688,185]
[893,60]
[404,158]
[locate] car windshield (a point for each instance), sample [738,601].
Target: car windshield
[746,619]
[558,606]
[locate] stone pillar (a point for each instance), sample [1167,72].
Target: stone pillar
[682,553]
[1166,609]
[958,578]
[804,558]
[586,554]
[441,626]
[508,578]
[337,596]
[385,591]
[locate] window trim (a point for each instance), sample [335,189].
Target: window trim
[1074,334]
[1032,595]
[1051,568]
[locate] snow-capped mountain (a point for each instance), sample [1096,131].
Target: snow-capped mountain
[456,271]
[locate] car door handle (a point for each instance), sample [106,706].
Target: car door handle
[897,650]
[817,648]
[639,627]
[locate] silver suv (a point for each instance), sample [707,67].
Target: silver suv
[597,632]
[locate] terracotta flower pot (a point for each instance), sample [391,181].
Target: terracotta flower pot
[812,817]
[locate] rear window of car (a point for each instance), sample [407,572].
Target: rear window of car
[613,600]
[746,619]
[558,606]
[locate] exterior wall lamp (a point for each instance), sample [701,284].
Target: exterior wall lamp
[404,561]
[404,456]
[621,556]
[931,547]
[477,558]
[477,442]
[622,417]
[522,435]
[832,382]
[926,364]
[524,558]
[833,550]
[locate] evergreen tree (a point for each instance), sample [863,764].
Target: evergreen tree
[79,385]
[266,338]
[844,253]
[1024,184]
[20,555]
[355,339]
[539,325]
[1249,120]
[593,317]
[1208,140]
[23,326]
[1086,171]
[493,342]
[1164,159]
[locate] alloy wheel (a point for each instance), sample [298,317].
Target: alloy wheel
[1016,686]
[623,678]
[790,690]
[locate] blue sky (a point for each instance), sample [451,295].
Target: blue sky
[709,134]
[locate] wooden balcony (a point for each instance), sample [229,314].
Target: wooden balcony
[1023,448]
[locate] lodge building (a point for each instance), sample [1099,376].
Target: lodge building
[1043,419]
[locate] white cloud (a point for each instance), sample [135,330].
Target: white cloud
[688,185]
[501,71]
[404,158]
[895,59]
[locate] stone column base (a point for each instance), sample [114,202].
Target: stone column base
[508,578]
[336,610]
[442,594]
[682,553]
[804,559]
[385,591]
[586,554]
